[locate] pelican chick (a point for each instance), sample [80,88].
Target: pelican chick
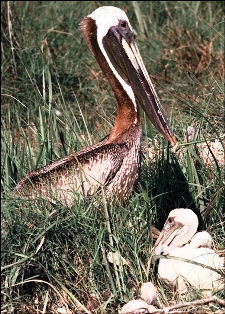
[180,228]
[148,292]
[137,306]
[143,305]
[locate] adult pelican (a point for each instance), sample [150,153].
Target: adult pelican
[179,239]
[114,163]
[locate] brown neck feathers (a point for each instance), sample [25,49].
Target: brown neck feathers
[127,115]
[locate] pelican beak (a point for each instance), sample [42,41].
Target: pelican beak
[168,235]
[123,53]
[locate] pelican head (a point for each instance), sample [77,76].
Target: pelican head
[179,228]
[109,35]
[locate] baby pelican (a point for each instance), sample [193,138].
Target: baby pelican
[180,228]
[143,305]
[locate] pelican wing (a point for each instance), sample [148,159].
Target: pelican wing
[84,172]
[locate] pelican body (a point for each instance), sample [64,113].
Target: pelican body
[179,239]
[114,163]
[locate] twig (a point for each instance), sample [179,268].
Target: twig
[186,304]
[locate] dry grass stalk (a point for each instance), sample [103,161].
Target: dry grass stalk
[9,14]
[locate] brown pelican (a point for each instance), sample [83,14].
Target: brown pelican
[180,228]
[112,164]
[143,305]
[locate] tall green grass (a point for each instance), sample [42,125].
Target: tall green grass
[55,100]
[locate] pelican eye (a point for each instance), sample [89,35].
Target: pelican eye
[170,220]
[123,24]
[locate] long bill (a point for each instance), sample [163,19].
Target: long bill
[126,59]
[168,235]
[173,235]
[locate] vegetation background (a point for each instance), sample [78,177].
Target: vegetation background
[55,100]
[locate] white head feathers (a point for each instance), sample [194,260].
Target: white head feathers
[107,16]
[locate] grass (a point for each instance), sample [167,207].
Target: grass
[55,100]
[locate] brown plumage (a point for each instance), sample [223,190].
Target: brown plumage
[85,172]
[112,164]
